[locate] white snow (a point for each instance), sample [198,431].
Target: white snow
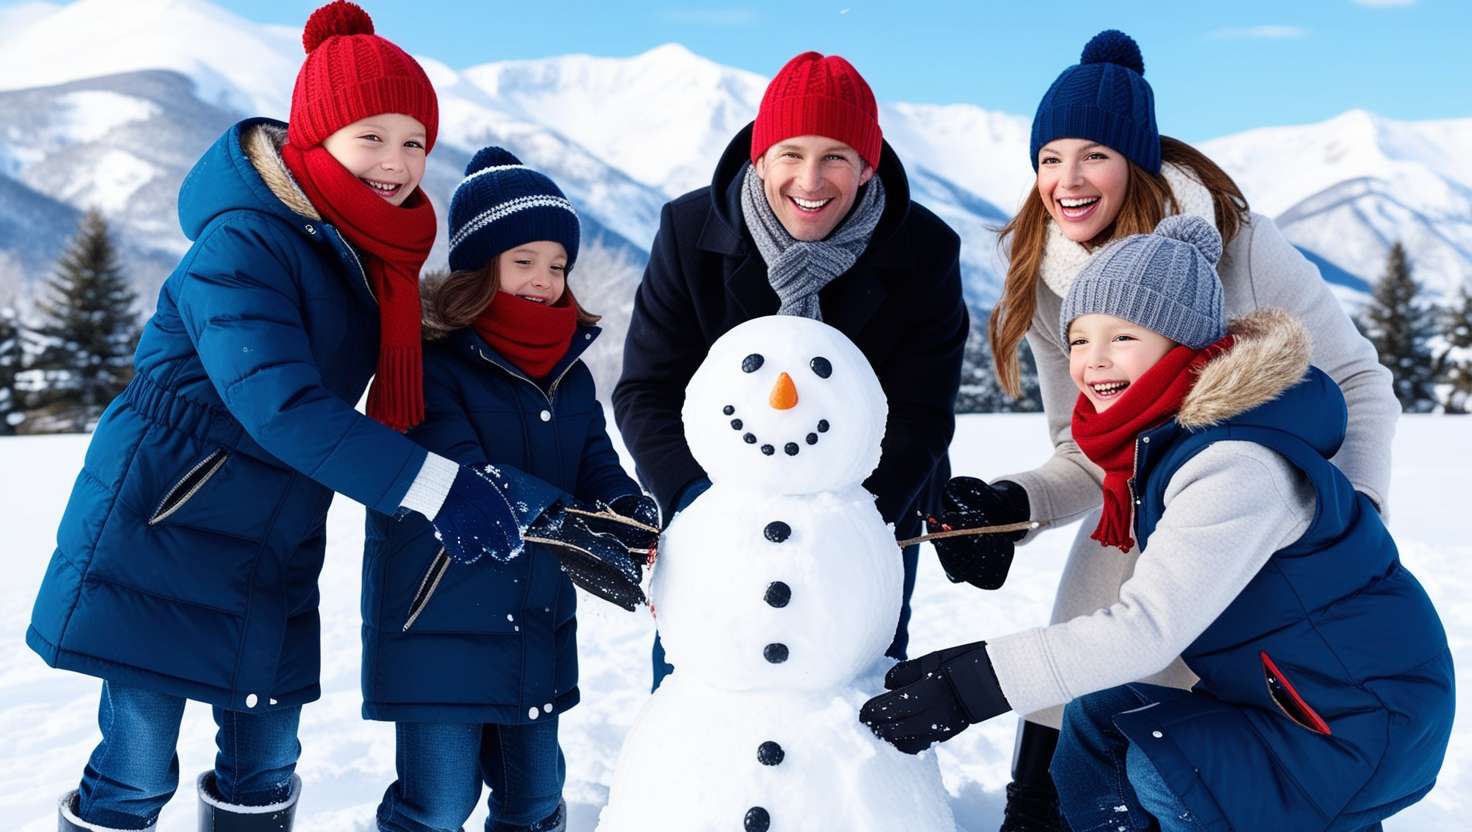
[92,114]
[48,718]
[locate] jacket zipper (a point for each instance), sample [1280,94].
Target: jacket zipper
[173,500]
[427,586]
[1134,500]
[363,273]
[549,394]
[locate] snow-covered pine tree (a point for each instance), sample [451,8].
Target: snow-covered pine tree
[1454,362]
[12,354]
[1401,324]
[87,332]
[980,392]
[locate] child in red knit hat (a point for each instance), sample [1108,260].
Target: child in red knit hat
[187,560]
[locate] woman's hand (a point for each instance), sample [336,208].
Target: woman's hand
[981,560]
[935,697]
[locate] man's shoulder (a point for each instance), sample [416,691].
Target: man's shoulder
[690,203]
[922,224]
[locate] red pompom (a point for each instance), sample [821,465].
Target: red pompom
[336,18]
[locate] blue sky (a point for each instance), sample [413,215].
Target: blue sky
[1216,67]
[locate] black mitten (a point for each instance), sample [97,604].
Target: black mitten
[640,508]
[935,697]
[981,560]
[599,563]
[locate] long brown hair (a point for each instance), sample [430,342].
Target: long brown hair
[453,301]
[1147,197]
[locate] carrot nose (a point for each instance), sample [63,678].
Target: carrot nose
[784,393]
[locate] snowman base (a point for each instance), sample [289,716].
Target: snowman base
[699,759]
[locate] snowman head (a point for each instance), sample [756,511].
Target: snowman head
[785,404]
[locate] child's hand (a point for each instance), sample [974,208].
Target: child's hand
[599,563]
[641,537]
[476,518]
[981,560]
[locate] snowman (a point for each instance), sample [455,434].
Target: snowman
[776,593]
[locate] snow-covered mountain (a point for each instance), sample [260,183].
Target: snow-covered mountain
[1349,187]
[107,104]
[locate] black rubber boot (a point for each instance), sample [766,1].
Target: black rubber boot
[67,819]
[1032,801]
[215,815]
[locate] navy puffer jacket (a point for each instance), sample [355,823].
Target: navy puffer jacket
[486,642]
[188,556]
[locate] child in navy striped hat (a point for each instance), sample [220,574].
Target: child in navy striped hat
[475,665]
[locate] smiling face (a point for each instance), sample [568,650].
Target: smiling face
[1082,184]
[1107,354]
[811,182]
[785,404]
[535,272]
[386,153]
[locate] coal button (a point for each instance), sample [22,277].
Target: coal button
[778,594]
[776,653]
[777,531]
[770,754]
[758,820]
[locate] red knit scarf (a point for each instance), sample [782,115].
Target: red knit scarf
[530,335]
[1108,438]
[396,241]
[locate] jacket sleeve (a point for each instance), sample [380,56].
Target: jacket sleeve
[1282,277]
[242,312]
[600,476]
[662,350]
[921,379]
[1227,510]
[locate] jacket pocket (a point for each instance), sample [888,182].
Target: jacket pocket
[189,485]
[427,586]
[1293,706]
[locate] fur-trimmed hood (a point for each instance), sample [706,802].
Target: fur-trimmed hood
[243,170]
[1269,354]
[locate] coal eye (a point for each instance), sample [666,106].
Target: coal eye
[821,366]
[752,363]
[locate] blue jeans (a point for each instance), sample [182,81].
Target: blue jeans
[441,767]
[1103,780]
[135,769]
[910,557]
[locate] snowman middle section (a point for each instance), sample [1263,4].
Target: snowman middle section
[777,592]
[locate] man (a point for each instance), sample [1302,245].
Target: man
[809,213]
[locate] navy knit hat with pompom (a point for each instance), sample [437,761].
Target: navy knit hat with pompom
[501,204]
[1103,98]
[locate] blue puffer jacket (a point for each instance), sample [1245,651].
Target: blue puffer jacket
[1326,693]
[486,643]
[188,556]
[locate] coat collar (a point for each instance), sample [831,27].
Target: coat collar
[469,344]
[1269,354]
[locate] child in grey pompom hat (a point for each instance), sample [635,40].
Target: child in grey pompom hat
[1165,281]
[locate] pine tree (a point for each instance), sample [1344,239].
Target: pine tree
[1400,325]
[12,354]
[1454,363]
[88,330]
[980,392]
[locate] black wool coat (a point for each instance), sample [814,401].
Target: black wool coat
[900,303]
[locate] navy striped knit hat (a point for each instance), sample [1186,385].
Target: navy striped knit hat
[501,204]
[1103,98]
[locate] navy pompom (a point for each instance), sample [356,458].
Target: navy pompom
[490,157]
[1112,46]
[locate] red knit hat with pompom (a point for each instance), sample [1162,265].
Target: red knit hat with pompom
[814,95]
[351,74]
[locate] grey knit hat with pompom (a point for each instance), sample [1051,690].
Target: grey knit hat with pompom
[1165,281]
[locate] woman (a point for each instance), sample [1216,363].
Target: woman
[1104,172]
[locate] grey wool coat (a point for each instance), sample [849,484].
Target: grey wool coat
[1259,269]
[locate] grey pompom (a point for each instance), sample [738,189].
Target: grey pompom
[1198,231]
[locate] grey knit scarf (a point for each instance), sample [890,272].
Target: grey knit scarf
[798,269]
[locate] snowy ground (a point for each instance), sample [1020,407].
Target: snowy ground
[48,718]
